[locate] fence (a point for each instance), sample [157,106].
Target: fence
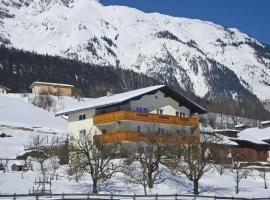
[118,197]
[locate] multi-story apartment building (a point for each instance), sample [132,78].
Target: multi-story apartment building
[137,116]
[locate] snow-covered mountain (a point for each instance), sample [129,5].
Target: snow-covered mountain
[201,56]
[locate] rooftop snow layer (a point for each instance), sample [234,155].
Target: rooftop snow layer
[256,135]
[110,100]
[119,98]
[47,83]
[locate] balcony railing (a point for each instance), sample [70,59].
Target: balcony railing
[144,117]
[143,137]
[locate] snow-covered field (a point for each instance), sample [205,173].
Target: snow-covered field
[21,120]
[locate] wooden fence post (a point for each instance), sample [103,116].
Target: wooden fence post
[63,196]
[134,196]
[215,197]
[156,196]
[88,196]
[176,196]
[14,196]
[37,197]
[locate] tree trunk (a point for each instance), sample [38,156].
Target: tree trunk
[221,169]
[264,178]
[196,186]
[145,190]
[237,188]
[150,180]
[94,188]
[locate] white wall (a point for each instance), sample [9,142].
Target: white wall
[159,101]
[75,125]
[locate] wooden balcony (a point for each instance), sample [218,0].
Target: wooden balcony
[142,137]
[144,117]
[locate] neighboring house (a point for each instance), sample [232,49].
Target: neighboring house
[4,89]
[265,124]
[52,88]
[18,166]
[227,132]
[251,143]
[240,127]
[137,115]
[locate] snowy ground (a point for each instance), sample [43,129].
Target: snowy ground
[21,120]
[211,184]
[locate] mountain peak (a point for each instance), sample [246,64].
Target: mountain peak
[200,56]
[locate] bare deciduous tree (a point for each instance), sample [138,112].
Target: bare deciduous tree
[240,172]
[263,174]
[94,159]
[143,165]
[191,160]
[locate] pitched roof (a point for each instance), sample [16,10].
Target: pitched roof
[255,135]
[6,88]
[265,122]
[47,83]
[131,95]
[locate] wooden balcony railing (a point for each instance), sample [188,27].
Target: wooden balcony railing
[142,137]
[145,117]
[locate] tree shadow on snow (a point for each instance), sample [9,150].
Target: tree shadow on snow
[216,190]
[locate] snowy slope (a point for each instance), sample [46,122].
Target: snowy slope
[15,111]
[203,57]
[21,120]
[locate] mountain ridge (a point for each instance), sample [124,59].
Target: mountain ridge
[203,57]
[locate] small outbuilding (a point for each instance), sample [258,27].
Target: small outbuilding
[4,89]
[58,89]
[265,124]
[18,166]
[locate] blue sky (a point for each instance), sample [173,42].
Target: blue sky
[250,16]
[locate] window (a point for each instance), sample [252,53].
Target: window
[177,113]
[82,134]
[161,130]
[82,117]
[141,109]
[103,131]
[139,129]
[160,111]
[182,114]
[183,130]
[145,109]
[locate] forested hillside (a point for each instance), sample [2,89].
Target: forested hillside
[18,69]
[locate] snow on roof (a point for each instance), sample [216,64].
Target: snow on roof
[121,97]
[18,162]
[47,83]
[265,122]
[255,135]
[239,125]
[226,130]
[218,139]
[110,100]
[227,140]
[4,87]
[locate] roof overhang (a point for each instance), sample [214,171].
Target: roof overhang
[50,84]
[182,100]
[4,87]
